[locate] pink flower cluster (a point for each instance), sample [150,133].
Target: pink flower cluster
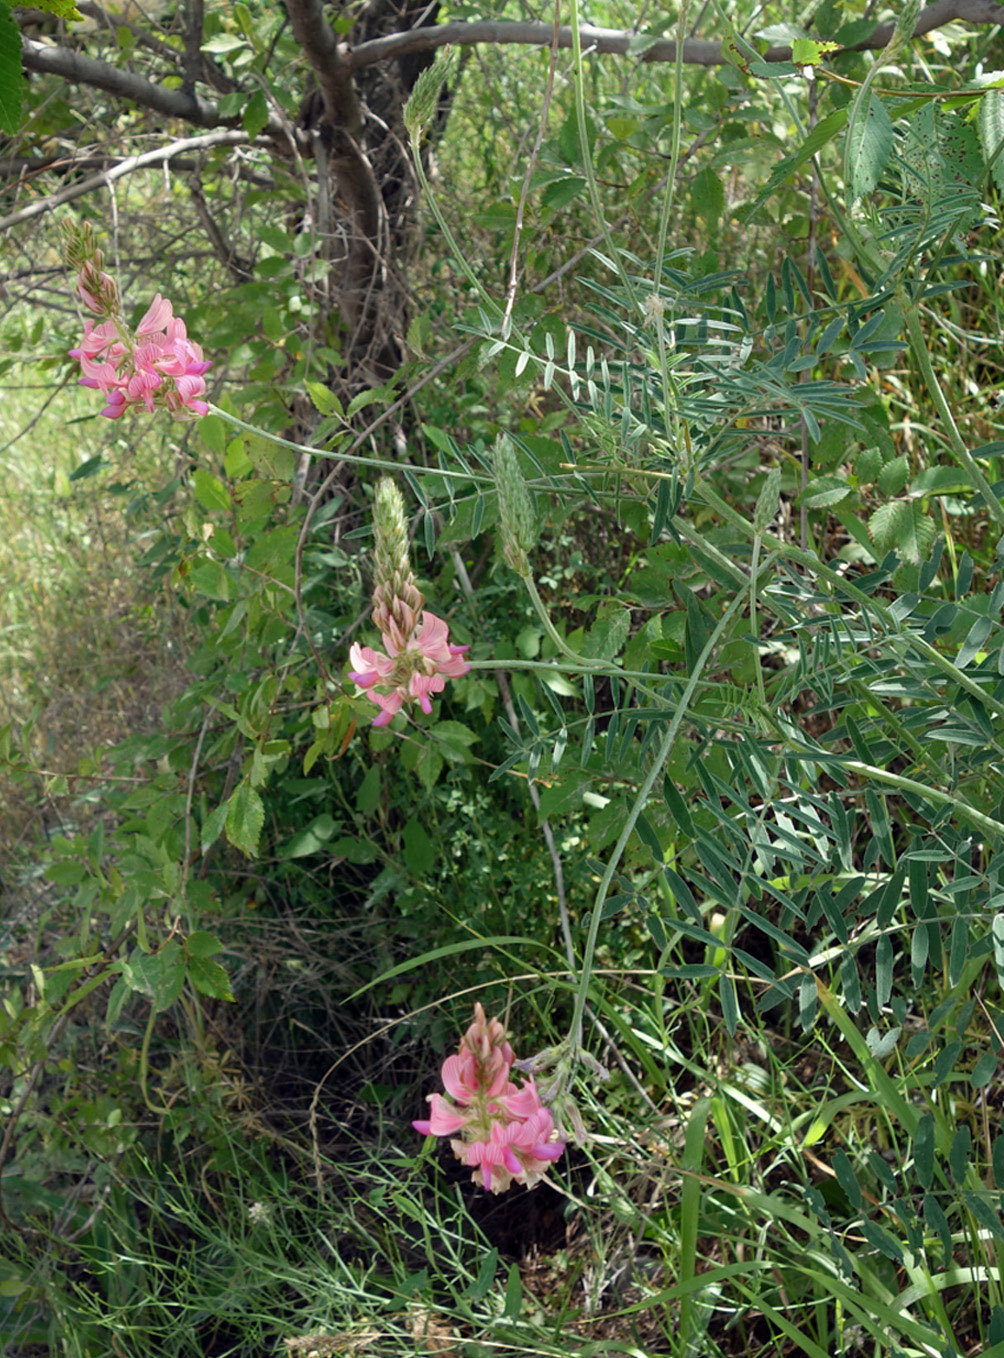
[505,1134]
[157,366]
[413,667]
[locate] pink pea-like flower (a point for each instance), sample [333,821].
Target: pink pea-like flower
[503,1133]
[407,673]
[155,366]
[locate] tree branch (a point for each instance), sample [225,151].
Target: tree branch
[335,63]
[320,46]
[617,42]
[97,181]
[78,69]
[340,127]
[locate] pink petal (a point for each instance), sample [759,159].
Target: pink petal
[158,314]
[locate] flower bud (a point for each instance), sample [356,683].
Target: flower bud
[517,533]
[421,107]
[397,600]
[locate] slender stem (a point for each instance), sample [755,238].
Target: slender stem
[674,148]
[665,750]
[754,629]
[967,812]
[921,353]
[444,226]
[558,640]
[382,463]
[585,150]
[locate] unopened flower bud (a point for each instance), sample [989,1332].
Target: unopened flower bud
[397,600]
[517,535]
[421,106]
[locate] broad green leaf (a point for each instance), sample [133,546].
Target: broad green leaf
[368,792]
[990,124]
[513,1294]
[903,527]
[245,818]
[202,944]
[847,1179]
[808,1001]
[707,195]
[823,491]
[984,1070]
[893,476]
[12,83]
[210,492]
[212,827]
[209,977]
[869,146]
[959,1153]
[323,399]
[809,52]
[419,848]
[974,641]
[62,9]
[923,1151]
[160,976]
[256,114]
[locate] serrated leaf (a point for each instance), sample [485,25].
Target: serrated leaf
[256,114]
[869,146]
[202,944]
[245,818]
[212,827]
[893,476]
[210,978]
[990,124]
[62,9]
[824,491]
[606,638]
[12,82]
[324,399]
[210,492]
[809,52]
[160,976]
[902,526]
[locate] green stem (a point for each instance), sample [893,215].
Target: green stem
[922,356]
[448,236]
[665,750]
[754,572]
[674,149]
[585,152]
[985,823]
[556,638]
[336,456]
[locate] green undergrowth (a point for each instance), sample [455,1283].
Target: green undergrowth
[721,799]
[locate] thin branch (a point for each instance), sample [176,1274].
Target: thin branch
[531,165]
[320,46]
[240,269]
[618,42]
[79,69]
[124,167]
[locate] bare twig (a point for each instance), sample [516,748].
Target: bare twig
[222,137]
[510,300]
